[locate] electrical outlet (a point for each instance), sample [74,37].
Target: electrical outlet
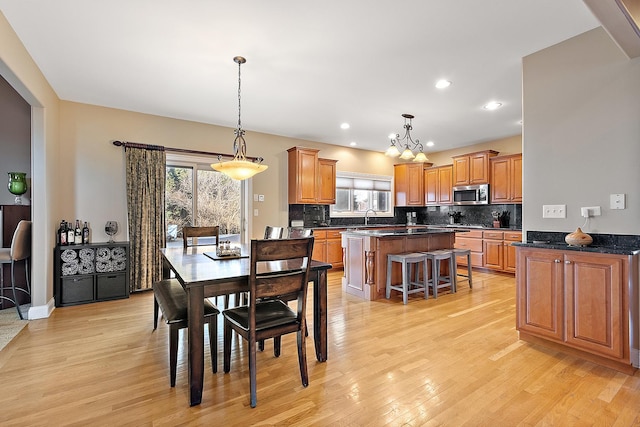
[590,211]
[554,211]
[617,201]
[255,212]
[261,198]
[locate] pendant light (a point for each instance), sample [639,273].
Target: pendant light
[239,167]
[406,140]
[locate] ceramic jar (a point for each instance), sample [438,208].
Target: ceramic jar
[578,238]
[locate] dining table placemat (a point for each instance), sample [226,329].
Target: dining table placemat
[217,257]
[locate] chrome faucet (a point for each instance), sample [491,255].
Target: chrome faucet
[366,216]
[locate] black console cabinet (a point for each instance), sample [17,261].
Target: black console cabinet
[90,273]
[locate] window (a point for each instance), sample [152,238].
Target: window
[196,195]
[357,193]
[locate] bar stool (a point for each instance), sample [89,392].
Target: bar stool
[408,286]
[463,252]
[437,280]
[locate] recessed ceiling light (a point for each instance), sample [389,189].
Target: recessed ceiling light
[441,84]
[353,144]
[493,105]
[345,126]
[430,144]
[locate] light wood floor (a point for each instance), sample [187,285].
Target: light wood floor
[454,361]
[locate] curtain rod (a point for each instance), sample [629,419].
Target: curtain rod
[126,144]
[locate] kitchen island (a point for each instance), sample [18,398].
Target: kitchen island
[365,255]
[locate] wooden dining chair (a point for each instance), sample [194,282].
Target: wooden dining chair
[20,250]
[171,298]
[273,232]
[297,232]
[195,232]
[277,267]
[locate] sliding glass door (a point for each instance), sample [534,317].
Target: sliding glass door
[196,195]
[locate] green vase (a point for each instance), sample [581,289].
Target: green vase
[17,185]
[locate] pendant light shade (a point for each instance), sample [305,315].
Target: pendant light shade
[239,168]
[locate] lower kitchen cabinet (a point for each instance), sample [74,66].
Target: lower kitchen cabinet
[580,301]
[471,240]
[327,246]
[498,253]
[90,273]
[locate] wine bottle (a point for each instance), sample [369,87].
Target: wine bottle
[78,233]
[85,234]
[62,233]
[71,236]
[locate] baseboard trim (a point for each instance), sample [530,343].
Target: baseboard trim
[41,311]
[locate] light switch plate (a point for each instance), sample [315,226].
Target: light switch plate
[554,211]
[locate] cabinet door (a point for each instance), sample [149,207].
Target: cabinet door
[431,186]
[409,184]
[327,181]
[478,169]
[445,179]
[334,252]
[493,254]
[500,185]
[594,295]
[303,175]
[516,179]
[461,171]
[509,257]
[539,293]
[319,250]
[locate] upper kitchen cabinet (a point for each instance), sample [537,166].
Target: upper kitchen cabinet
[311,180]
[472,168]
[437,185]
[408,184]
[506,179]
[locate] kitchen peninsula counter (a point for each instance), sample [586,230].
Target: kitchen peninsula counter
[365,255]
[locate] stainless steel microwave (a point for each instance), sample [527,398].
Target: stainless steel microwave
[471,195]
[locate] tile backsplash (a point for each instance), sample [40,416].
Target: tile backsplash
[318,215]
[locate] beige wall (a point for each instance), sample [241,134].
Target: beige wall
[19,70]
[581,137]
[93,172]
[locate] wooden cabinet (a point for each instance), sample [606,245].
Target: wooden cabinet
[498,253]
[506,179]
[408,184]
[577,299]
[438,185]
[312,180]
[90,273]
[472,168]
[471,240]
[327,246]
[327,181]
[510,259]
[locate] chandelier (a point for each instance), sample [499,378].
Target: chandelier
[408,143]
[239,167]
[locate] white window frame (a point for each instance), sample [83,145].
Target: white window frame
[365,176]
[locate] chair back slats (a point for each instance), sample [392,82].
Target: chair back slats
[273,232]
[297,232]
[279,268]
[21,242]
[191,232]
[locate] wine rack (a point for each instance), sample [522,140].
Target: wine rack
[91,273]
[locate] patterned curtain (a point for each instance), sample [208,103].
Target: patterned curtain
[145,201]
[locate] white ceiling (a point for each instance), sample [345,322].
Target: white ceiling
[310,65]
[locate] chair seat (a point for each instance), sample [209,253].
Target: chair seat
[269,313]
[172,299]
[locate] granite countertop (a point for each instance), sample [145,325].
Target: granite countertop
[433,226]
[602,249]
[400,232]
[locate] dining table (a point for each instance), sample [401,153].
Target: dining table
[203,275]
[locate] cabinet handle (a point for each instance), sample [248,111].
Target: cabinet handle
[567,262]
[557,261]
